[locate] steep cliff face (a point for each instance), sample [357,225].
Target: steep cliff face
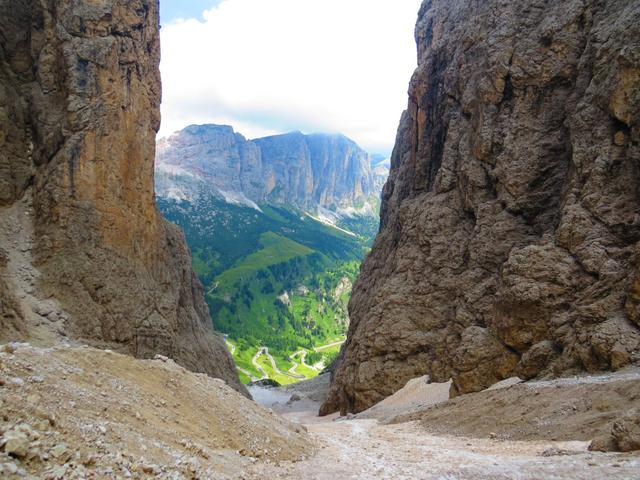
[307,171]
[210,154]
[511,219]
[79,109]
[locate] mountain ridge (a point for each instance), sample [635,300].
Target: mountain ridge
[306,171]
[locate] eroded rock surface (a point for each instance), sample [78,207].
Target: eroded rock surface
[511,218]
[308,171]
[79,110]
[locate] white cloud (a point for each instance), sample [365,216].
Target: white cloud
[268,66]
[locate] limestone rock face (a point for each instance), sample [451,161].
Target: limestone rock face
[307,171]
[79,109]
[213,154]
[511,218]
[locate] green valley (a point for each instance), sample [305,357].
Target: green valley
[277,281]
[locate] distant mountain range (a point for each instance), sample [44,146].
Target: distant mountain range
[277,227]
[315,172]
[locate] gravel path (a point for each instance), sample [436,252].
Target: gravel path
[364,449]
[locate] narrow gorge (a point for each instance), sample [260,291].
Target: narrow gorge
[492,329]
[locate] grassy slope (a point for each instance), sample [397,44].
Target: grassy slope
[275,249]
[246,259]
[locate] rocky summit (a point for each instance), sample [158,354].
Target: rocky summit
[84,252]
[511,219]
[306,171]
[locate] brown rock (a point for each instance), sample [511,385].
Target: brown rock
[537,359]
[480,357]
[511,211]
[79,110]
[603,443]
[626,431]
[16,443]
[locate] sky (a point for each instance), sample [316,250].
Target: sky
[274,66]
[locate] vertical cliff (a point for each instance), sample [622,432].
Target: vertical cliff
[307,171]
[83,246]
[511,219]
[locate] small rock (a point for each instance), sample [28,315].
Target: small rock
[17,381]
[149,468]
[45,309]
[16,443]
[492,435]
[603,443]
[619,138]
[626,431]
[59,451]
[162,358]
[56,473]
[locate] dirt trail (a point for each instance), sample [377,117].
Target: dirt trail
[44,320]
[265,351]
[277,370]
[364,449]
[479,436]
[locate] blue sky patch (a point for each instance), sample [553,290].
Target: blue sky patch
[174,9]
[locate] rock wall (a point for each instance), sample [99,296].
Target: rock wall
[79,109]
[511,219]
[294,169]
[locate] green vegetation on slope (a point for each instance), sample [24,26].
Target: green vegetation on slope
[273,278]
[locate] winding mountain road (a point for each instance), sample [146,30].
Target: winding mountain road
[297,376]
[259,368]
[303,356]
[291,372]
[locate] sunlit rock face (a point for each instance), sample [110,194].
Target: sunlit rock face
[511,218]
[79,110]
[306,171]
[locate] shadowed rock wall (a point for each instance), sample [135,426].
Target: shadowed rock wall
[511,218]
